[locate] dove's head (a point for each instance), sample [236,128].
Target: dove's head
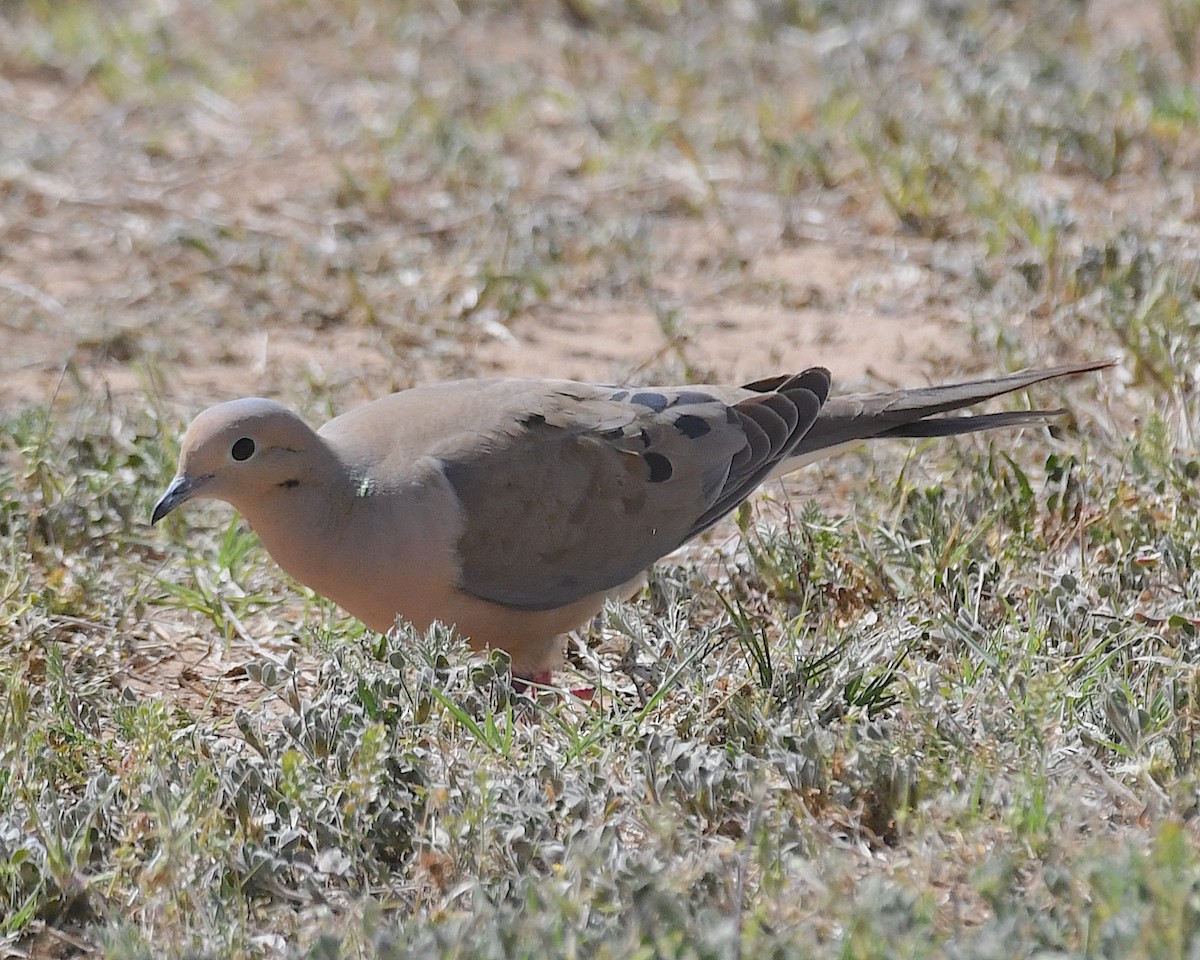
[242,452]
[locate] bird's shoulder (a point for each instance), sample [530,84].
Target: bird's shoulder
[468,418]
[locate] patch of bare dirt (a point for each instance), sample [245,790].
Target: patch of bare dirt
[220,243]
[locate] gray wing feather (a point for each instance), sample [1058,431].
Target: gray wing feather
[582,488]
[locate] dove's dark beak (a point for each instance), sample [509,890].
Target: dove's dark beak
[182,489]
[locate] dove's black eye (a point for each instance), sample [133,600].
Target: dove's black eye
[243,449]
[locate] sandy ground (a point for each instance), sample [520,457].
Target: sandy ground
[198,249]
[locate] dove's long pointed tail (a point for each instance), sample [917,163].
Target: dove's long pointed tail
[846,421]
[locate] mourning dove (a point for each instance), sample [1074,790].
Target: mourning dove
[512,509]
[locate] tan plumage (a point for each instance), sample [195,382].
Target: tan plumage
[513,508]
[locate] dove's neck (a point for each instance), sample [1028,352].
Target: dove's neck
[376,547]
[301,520]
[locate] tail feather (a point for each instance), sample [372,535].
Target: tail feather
[844,421]
[951,426]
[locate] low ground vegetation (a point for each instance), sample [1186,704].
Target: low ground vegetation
[934,699]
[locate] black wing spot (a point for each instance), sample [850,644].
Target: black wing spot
[691,426]
[620,395]
[660,467]
[533,420]
[655,401]
[645,438]
[688,397]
